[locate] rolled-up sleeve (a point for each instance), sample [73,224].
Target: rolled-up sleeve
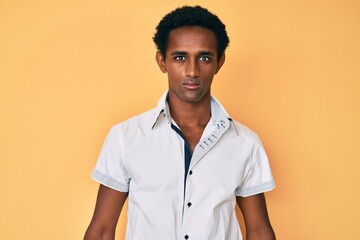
[258,177]
[110,169]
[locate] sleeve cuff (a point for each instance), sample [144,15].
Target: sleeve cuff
[245,192]
[109,182]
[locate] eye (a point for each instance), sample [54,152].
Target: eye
[179,58]
[204,58]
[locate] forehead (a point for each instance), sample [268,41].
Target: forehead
[192,38]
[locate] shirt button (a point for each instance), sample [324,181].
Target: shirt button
[189,204]
[186,237]
[190,172]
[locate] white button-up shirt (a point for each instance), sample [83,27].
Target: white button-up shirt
[145,157]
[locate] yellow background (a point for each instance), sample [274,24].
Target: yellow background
[69,70]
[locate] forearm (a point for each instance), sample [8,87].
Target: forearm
[261,234]
[107,211]
[92,234]
[257,223]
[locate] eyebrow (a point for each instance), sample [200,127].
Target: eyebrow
[201,53]
[178,53]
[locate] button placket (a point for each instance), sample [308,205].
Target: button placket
[188,195]
[188,192]
[202,148]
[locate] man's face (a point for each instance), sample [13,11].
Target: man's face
[191,63]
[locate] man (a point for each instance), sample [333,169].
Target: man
[184,164]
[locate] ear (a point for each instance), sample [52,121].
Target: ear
[220,63]
[160,59]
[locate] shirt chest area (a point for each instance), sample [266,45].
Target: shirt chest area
[155,161]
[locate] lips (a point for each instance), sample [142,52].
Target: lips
[191,84]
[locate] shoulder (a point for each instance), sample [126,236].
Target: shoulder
[245,134]
[141,122]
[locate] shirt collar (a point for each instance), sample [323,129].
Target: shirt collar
[218,113]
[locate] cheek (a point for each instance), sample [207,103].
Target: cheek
[209,73]
[174,73]
[173,78]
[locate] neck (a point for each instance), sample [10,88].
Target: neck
[190,114]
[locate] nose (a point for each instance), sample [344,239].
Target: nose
[192,69]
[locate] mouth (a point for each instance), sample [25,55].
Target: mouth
[191,84]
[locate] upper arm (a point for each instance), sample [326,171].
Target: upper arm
[107,211]
[256,217]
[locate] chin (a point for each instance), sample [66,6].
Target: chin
[193,99]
